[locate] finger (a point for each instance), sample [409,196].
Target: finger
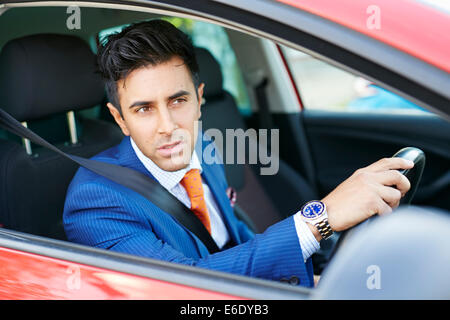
[390,163]
[390,195]
[394,178]
[383,208]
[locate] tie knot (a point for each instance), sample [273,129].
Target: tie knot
[193,173]
[192,182]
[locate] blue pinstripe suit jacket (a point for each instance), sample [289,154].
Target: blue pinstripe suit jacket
[104,214]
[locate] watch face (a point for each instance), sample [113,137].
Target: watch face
[313,209]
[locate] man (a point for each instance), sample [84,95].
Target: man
[155,97]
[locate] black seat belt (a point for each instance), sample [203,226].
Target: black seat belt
[127,177]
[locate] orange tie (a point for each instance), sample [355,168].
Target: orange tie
[192,182]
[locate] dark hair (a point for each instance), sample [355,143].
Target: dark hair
[141,44]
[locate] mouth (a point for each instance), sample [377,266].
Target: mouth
[170,149]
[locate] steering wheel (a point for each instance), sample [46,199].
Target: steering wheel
[414,176]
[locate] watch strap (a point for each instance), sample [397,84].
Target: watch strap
[324,229]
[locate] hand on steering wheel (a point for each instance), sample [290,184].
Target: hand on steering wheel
[413,175]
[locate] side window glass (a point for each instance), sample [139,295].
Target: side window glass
[325,87]
[215,39]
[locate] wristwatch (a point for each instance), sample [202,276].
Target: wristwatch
[315,213]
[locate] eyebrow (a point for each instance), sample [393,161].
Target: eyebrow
[179,94]
[173,96]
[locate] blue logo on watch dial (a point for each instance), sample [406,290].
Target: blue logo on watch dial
[313,209]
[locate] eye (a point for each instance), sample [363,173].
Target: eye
[179,101]
[142,109]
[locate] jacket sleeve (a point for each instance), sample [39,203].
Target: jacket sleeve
[101,216]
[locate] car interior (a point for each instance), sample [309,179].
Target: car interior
[48,81]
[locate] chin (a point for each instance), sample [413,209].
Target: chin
[174,168]
[173,164]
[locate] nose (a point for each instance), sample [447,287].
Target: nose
[166,124]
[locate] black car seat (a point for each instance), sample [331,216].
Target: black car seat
[262,199]
[44,80]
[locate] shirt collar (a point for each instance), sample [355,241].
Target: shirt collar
[167,179]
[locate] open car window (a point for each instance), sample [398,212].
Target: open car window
[345,92]
[89,121]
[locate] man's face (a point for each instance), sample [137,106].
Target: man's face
[160,109]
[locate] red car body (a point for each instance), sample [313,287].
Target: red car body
[30,276]
[410,26]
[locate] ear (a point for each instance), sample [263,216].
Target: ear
[200,98]
[118,118]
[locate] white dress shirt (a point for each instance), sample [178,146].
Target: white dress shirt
[171,182]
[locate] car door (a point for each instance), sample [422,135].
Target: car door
[37,268]
[14,245]
[349,123]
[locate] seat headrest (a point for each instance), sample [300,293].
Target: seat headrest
[47,74]
[210,73]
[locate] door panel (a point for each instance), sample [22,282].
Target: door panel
[34,267]
[36,277]
[341,142]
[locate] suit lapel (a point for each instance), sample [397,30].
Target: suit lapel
[127,157]
[209,174]
[213,175]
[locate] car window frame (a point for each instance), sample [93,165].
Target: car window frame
[351,51]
